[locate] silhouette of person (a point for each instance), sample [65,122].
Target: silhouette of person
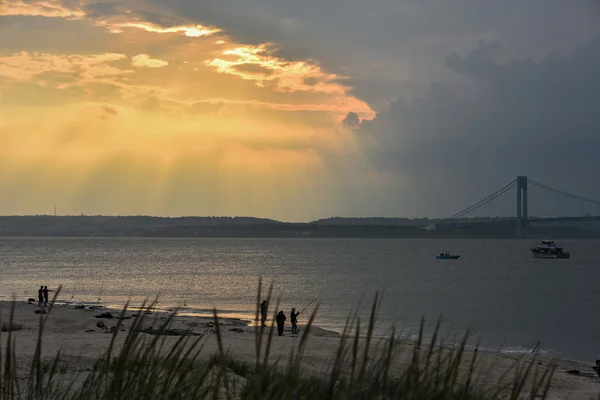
[41,295]
[294,319]
[263,312]
[45,292]
[280,322]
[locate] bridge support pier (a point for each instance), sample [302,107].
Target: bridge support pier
[522,215]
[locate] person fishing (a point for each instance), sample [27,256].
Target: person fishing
[263,313]
[45,292]
[41,295]
[294,320]
[280,322]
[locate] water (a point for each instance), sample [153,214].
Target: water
[496,288]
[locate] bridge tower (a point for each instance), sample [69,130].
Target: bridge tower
[522,215]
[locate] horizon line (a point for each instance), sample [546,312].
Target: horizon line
[238,217]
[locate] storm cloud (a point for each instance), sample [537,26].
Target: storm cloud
[387,48]
[523,117]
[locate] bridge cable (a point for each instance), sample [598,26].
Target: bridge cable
[483,202]
[574,196]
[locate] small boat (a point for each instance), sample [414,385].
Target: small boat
[549,249]
[447,255]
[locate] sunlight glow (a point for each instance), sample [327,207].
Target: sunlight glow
[165,119]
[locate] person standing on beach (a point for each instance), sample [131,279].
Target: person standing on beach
[45,292]
[41,295]
[280,321]
[294,319]
[263,313]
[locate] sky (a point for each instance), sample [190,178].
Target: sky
[294,110]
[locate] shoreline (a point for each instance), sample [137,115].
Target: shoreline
[83,338]
[238,318]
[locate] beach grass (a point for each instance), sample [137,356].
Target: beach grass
[363,367]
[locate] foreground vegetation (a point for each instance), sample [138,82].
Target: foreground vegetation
[152,367]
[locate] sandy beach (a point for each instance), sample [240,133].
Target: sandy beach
[81,338]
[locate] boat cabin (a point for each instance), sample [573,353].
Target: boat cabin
[549,249]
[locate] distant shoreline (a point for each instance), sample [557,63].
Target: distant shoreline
[524,238]
[242,227]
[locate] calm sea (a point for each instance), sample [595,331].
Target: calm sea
[496,288]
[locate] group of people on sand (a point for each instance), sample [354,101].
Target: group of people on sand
[43,295]
[280,318]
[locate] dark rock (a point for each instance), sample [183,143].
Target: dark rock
[31,300]
[90,330]
[240,330]
[101,325]
[105,315]
[11,327]
[112,329]
[573,372]
[169,332]
[40,311]
[79,307]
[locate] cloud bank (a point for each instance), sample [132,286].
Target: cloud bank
[523,117]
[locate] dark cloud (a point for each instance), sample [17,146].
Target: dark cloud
[351,121]
[524,117]
[377,38]
[101,9]
[144,11]
[384,47]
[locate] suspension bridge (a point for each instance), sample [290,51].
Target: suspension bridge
[532,202]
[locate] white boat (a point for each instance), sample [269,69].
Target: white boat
[549,249]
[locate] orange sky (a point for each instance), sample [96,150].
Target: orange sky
[122,116]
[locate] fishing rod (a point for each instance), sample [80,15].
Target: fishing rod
[309,304]
[73,292]
[99,294]
[189,289]
[316,298]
